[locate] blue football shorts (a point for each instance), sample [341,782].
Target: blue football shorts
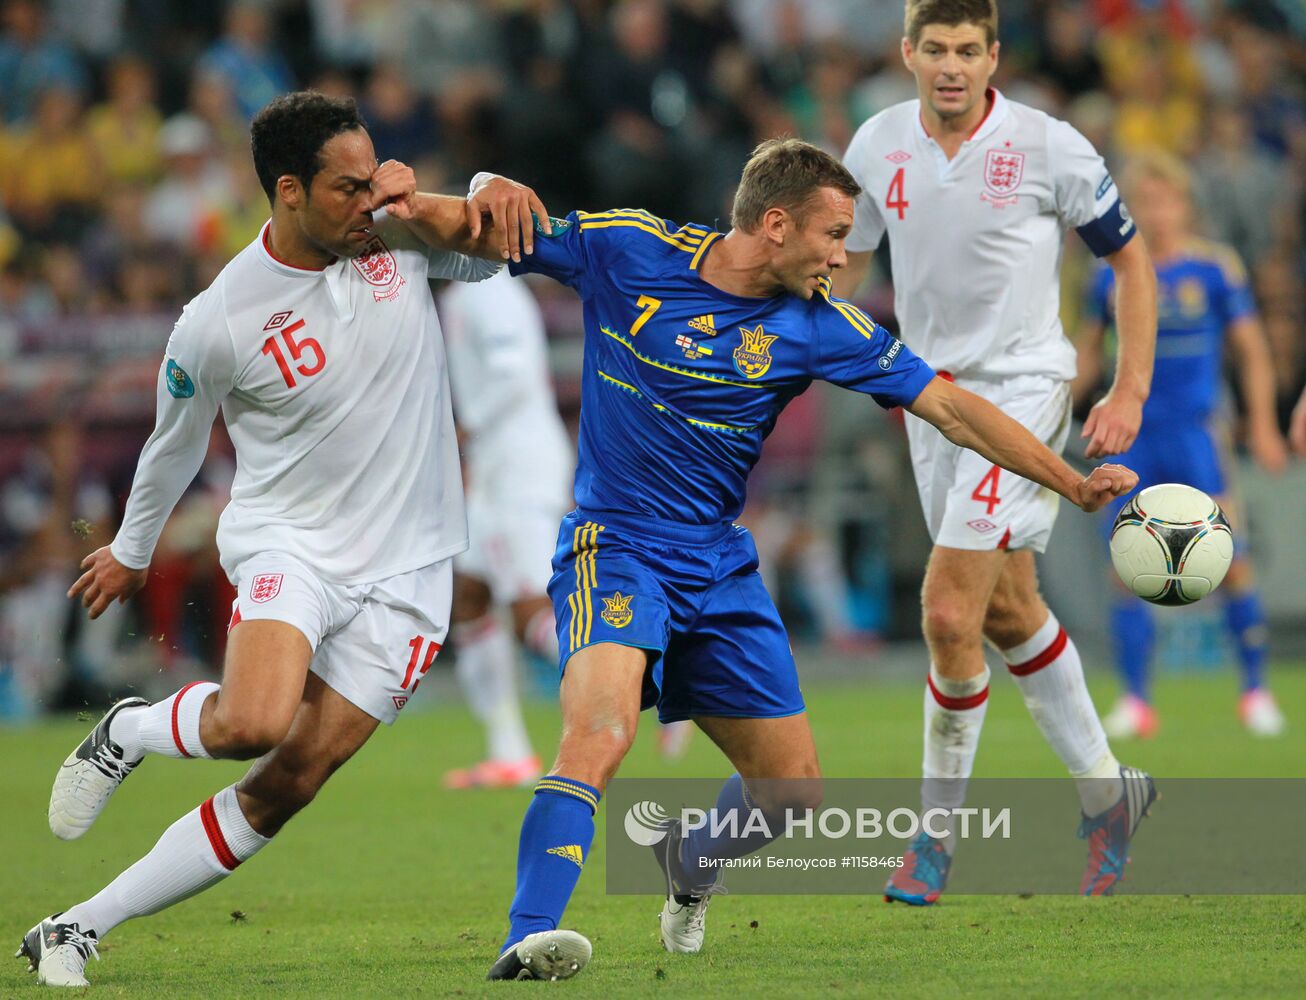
[1185,453]
[692,597]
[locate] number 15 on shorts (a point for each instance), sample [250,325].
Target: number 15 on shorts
[412,675]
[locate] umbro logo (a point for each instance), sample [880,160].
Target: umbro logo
[400,700]
[981,525]
[571,852]
[704,324]
[898,156]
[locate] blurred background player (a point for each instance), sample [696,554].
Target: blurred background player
[517,464]
[976,194]
[1204,302]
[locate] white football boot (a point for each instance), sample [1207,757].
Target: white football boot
[88,777]
[549,955]
[1260,713]
[683,920]
[57,952]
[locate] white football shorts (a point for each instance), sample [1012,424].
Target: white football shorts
[372,642]
[970,503]
[516,497]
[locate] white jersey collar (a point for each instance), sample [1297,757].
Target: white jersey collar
[996,115]
[270,260]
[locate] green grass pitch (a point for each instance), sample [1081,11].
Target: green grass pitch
[390,886]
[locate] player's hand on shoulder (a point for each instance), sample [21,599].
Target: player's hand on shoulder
[1104,484]
[106,580]
[1112,425]
[509,206]
[395,185]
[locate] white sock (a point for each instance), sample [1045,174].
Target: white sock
[1048,671]
[201,848]
[170,727]
[954,716]
[487,672]
[541,636]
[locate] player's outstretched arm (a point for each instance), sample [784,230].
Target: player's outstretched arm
[106,580]
[1113,423]
[449,223]
[1256,373]
[973,422]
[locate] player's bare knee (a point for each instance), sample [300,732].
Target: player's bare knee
[948,625]
[242,738]
[777,796]
[594,755]
[1239,577]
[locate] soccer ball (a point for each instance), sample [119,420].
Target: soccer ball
[1171,544]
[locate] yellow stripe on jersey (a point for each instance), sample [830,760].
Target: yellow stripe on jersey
[675,241]
[688,232]
[584,546]
[673,369]
[698,256]
[685,238]
[863,323]
[707,424]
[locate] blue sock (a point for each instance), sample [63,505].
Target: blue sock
[555,841]
[701,843]
[1245,619]
[1132,635]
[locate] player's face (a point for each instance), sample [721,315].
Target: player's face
[952,65]
[814,249]
[1159,209]
[337,214]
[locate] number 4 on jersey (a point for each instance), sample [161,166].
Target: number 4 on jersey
[895,199]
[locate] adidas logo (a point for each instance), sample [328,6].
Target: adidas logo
[571,852]
[704,324]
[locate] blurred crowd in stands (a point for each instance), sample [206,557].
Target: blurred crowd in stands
[126,185]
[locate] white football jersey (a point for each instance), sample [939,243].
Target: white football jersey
[515,441]
[333,387]
[976,242]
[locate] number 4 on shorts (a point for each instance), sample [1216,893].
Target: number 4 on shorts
[990,498]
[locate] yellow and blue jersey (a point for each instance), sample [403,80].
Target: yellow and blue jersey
[683,381]
[1199,294]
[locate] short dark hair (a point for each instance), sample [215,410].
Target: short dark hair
[952,13]
[786,173]
[287,136]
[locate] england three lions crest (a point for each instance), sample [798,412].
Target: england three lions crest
[753,355]
[1003,172]
[377,266]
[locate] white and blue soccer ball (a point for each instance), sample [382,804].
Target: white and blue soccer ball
[1171,544]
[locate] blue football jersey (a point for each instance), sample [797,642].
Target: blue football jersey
[1199,293]
[683,381]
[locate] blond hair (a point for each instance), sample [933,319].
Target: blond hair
[1157,164]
